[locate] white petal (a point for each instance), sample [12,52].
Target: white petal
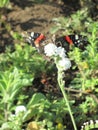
[64,64]
[50,49]
[20,109]
[61,52]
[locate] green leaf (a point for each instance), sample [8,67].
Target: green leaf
[54,29]
[36,98]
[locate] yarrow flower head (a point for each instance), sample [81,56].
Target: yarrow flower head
[61,52]
[64,64]
[19,109]
[50,49]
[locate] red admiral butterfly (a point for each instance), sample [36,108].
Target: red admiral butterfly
[39,40]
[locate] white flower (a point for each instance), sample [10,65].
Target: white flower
[61,52]
[64,64]
[50,49]
[96,121]
[19,109]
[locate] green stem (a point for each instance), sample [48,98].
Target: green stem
[6,111]
[61,85]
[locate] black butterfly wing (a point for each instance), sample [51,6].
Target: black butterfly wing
[79,41]
[69,40]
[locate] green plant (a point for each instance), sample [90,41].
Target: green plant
[39,110]
[88,106]
[38,1]
[4,3]
[77,22]
[46,112]
[11,83]
[86,62]
[86,80]
[25,58]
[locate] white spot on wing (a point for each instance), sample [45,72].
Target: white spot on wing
[32,34]
[76,37]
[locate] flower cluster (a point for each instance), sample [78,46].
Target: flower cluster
[19,109]
[20,112]
[53,51]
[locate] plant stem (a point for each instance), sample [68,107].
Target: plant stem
[5,111]
[61,83]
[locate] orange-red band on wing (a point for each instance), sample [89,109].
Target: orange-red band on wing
[37,41]
[67,38]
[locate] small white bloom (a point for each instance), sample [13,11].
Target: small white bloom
[61,52]
[96,121]
[50,49]
[19,109]
[64,64]
[91,122]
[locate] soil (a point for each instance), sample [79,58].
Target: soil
[36,17]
